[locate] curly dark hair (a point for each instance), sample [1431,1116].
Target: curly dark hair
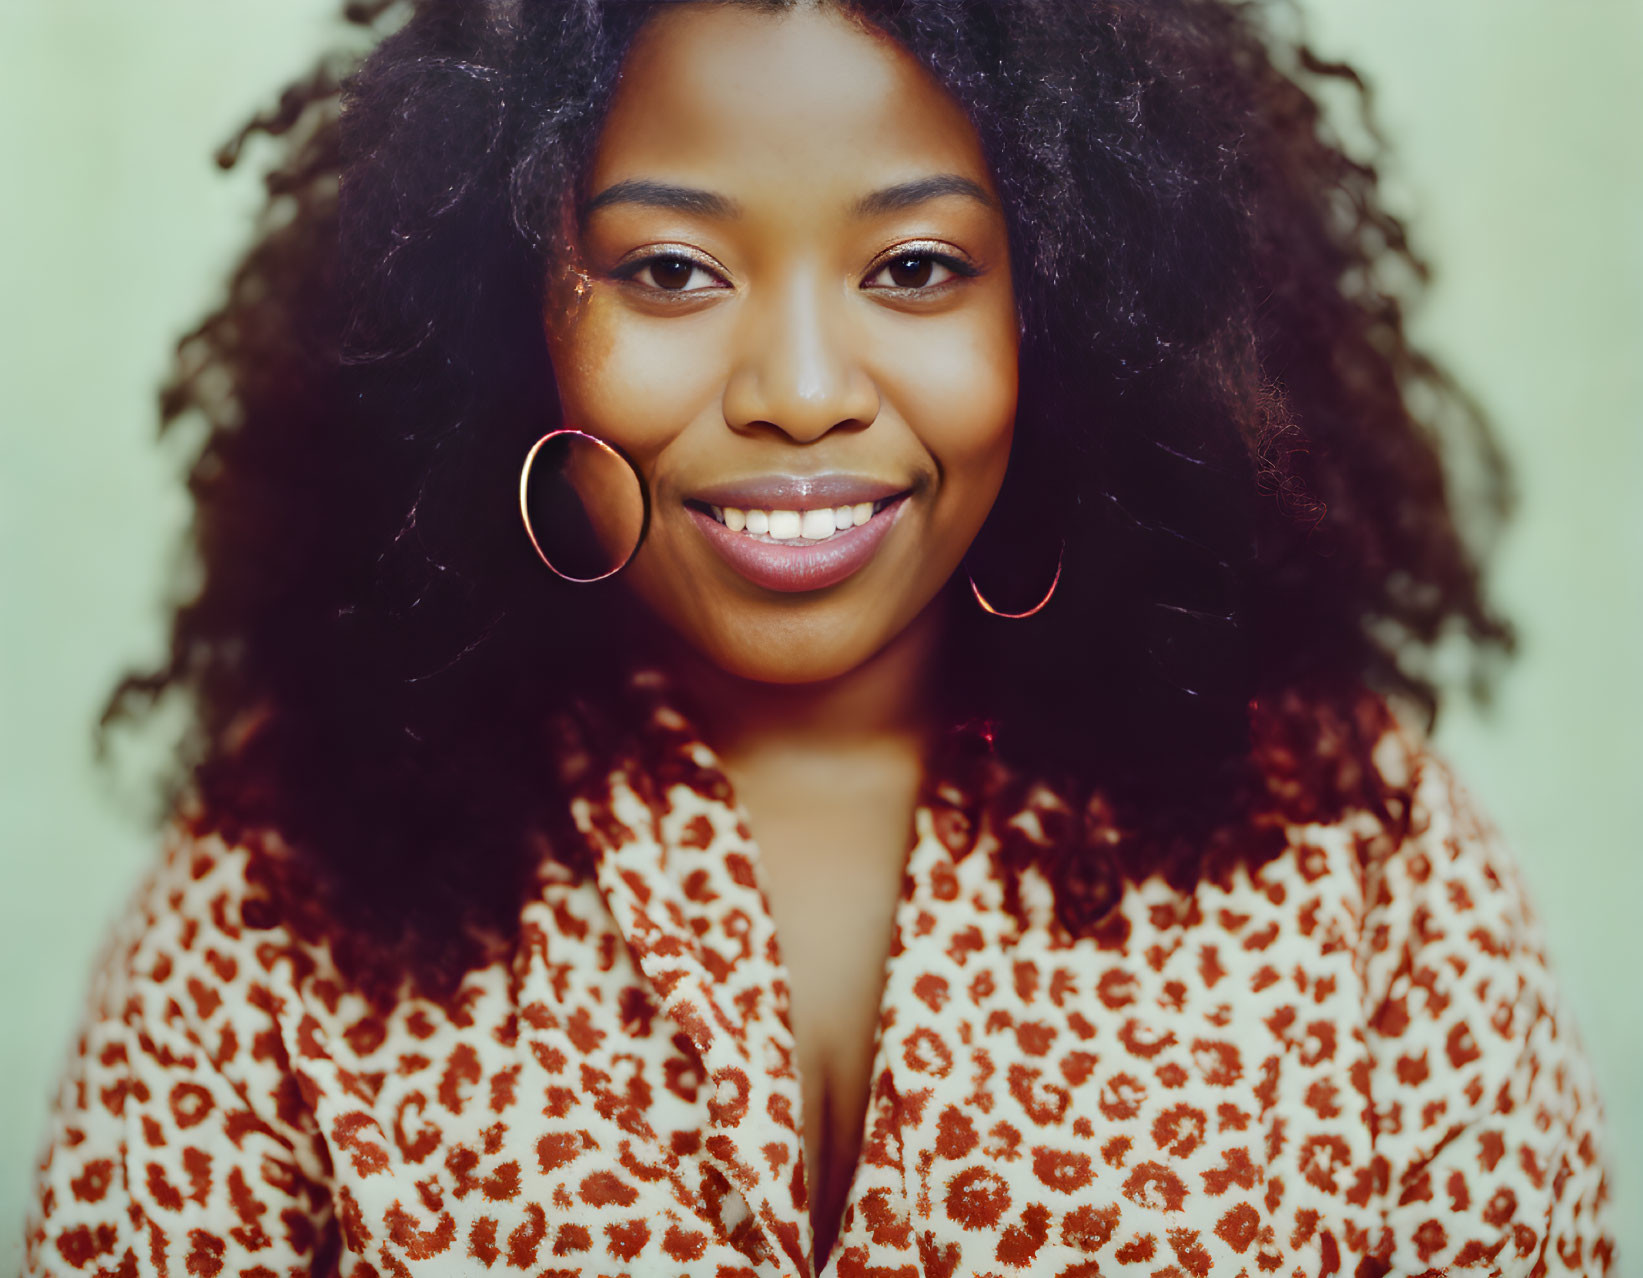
[1221,414]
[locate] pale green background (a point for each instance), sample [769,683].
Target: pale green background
[1517,127]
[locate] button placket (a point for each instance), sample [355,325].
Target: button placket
[657,888]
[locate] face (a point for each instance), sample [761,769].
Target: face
[793,311]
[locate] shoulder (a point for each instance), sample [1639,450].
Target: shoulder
[1374,808]
[1440,882]
[1357,1030]
[1433,904]
[1482,1105]
[179,1107]
[206,925]
[199,976]
[182,946]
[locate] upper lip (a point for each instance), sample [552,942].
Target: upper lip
[797,492]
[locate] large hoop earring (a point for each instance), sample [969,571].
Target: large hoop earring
[1016,616]
[624,513]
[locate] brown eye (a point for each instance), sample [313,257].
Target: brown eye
[912,271]
[920,272]
[671,273]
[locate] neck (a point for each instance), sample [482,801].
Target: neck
[887,700]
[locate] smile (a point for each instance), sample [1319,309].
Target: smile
[801,527]
[802,545]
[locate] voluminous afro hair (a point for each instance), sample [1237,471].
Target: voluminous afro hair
[1222,420]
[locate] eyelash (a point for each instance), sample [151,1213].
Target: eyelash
[960,270]
[631,270]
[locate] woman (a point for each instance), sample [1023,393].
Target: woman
[995,521]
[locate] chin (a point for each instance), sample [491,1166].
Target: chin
[806,663]
[790,640]
[790,651]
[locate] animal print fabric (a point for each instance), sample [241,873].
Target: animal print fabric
[1351,1060]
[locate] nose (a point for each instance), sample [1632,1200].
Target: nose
[797,370]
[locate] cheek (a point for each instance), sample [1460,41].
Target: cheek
[635,383]
[959,398]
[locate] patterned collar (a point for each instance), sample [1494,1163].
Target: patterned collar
[647,735]
[674,859]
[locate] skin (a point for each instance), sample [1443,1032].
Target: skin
[789,341]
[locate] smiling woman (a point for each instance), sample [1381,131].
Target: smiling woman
[796,297]
[969,817]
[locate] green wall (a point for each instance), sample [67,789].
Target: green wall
[1518,136]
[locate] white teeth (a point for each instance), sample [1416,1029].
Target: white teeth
[791,525]
[785,525]
[816,524]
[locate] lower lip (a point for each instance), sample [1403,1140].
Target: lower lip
[790,568]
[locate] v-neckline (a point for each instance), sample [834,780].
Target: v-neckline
[912,866]
[642,828]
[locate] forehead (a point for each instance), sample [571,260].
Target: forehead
[797,98]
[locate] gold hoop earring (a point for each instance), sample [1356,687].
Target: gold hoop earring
[1016,616]
[598,511]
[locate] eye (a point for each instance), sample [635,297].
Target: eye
[921,270]
[669,273]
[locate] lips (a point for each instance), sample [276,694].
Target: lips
[789,563]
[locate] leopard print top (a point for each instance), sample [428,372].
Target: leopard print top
[1350,1060]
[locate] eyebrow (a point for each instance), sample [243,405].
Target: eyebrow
[663,195]
[904,195]
[694,200]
